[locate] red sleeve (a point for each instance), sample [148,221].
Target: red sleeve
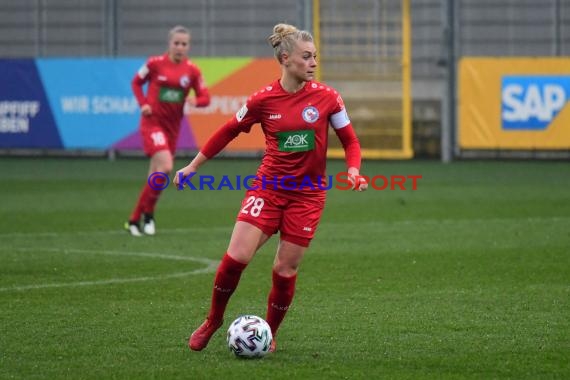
[351,146]
[201,91]
[137,86]
[140,78]
[220,139]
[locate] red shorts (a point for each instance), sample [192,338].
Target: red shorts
[156,138]
[296,218]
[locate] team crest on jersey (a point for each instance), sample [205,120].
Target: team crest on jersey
[310,114]
[184,81]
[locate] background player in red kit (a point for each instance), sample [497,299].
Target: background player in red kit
[295,113]
[170,79]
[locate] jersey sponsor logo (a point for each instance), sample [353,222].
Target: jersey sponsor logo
[532,102]
[296,141]
[161,78]
[171,95]
[310,114]
[274,116]
[184,81]
[241,113]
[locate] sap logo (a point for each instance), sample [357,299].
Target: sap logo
[532,102]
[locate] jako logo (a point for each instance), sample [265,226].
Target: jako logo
[532,102]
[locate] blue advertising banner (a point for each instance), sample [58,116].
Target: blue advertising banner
[26,120]
[91,99]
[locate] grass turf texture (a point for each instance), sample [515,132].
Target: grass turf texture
[466,277]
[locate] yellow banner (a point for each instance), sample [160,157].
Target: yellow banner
[514,103]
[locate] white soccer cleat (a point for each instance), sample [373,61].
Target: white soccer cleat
[133,229]
[148,226]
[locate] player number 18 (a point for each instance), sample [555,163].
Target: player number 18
[158,138]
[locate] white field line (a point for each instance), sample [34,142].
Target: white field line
[324,223]
[210,267]
[110,232]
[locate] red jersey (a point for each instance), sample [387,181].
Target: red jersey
[296,131]
[169,84]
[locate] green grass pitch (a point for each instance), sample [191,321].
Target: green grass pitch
[468,277]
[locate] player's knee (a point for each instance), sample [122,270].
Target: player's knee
[285,269]
[240,254]
[288,272]
[167,168]
[164,166]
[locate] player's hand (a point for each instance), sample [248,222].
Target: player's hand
[191,101]
[183,173]
[359,182]
[146,110]
[183,176]
[189,105]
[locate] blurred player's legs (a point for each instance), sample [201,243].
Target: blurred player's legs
[148,224]
[161,161]
[133,228]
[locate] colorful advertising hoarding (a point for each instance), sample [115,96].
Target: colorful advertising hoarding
[88,103]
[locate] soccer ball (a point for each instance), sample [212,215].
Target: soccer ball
[249,336]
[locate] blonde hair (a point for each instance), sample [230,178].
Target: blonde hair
[284,38]
[178,29]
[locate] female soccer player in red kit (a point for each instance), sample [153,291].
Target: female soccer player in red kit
[295,113]
[170,79]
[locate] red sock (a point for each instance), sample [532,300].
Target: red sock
[136,214]
[146,202]
[280,299]
[151,199]
[226,281]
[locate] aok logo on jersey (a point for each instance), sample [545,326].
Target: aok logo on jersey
[171,95]
[296,141]
[532,102]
